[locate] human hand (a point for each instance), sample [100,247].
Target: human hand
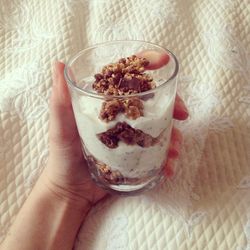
[66,173]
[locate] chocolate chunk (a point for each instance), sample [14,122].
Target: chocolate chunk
[124,132]
[98,77]
[109,140]
[135,84]
[119,127]
[123,84]
[127,136]
[144,140]
[117,77]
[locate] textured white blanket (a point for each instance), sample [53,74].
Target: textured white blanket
[207,204]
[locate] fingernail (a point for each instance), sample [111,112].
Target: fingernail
[156,59]
[186,113]
[184,107]
[173,152]
[177,146]
[169,172]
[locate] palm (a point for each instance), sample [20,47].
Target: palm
[68,167]
[85,186]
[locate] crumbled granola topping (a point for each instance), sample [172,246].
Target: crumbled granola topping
[113,177]
[124,77]
[132,107]
[124,132]
[110,109]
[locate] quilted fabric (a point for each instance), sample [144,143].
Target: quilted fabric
[206,205]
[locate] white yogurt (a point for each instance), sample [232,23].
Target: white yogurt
[130,160]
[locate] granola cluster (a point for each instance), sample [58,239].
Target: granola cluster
[131,107]
[124,77]
[113,177]
[124,132]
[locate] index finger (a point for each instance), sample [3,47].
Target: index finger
[156,59]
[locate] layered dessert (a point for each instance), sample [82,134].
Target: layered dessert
[125,129]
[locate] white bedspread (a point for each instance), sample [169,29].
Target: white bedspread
[207,204]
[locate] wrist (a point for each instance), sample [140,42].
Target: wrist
[62,195]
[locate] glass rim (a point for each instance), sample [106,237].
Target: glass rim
[73,85]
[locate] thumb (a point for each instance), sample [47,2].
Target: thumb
[62,130]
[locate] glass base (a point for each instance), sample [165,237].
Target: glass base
[130,189]
[115,183]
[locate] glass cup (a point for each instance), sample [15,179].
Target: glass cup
[126,168]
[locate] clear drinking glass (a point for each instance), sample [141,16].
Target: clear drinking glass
[126,169]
